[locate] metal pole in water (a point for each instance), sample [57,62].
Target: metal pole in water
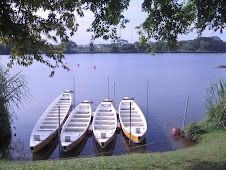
[108,87]
[147,99]
[74,90]
[114,94]
[130,123]
[59,130]
[185,114]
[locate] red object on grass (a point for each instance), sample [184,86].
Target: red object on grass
[176,132]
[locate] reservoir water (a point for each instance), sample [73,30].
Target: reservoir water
[172,78]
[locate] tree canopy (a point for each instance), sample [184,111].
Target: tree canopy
[31,34]
[169,18]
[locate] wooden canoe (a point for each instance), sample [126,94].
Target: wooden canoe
[137,127]
[75,128]
[47,126]
[104,123]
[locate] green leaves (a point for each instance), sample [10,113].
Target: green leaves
[168,19]
[108,14]
[216,101]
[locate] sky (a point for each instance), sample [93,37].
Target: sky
[136,17]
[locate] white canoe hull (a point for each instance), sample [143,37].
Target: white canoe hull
[137,127]
[47,126]
[75,128]
[104,123]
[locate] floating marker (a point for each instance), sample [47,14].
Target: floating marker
[65,63]
[78,65]
[176,132]
[94,67]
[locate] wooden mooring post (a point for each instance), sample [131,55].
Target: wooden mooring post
[108,87]
[147,99]
[114,94]
[185,114]
[59,130]
[130,112]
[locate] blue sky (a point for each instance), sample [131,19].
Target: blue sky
[136,17]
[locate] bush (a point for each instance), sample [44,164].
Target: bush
[216,102]
[215,113]
[193,131]
[12,91]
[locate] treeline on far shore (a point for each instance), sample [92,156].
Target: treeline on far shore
[199,45]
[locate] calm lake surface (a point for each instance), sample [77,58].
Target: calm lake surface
[172,78]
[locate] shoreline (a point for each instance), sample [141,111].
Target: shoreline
[208,153]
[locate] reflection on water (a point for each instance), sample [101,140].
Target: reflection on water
[14,151]
[108,150]
[46,151]
[76,150]
[182,142]
[133,147]
[187,143]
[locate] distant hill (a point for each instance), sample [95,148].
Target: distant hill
[198,45]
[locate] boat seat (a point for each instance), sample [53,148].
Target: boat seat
[53,118]
[48,126]
[63,103]
[50,122]
[133,119]
[57,109]
[105,113]
[61,107]
[128,111]
[106,104]
[65,99]
[105,118]
[45,130]
[105,122]
[74,129]
[81,115]
[133,123]
[105,110]
[127,108]
[128,115]
[79,119]
[107,127]
[83,106]
[83,112]
[54,112]
[77,124]
[55,115]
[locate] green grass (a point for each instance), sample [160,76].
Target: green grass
[208,154]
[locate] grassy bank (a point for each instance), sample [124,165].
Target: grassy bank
[209,153]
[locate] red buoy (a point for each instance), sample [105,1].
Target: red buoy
[176,132]
[78,65]
[65,63]
[94,67]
